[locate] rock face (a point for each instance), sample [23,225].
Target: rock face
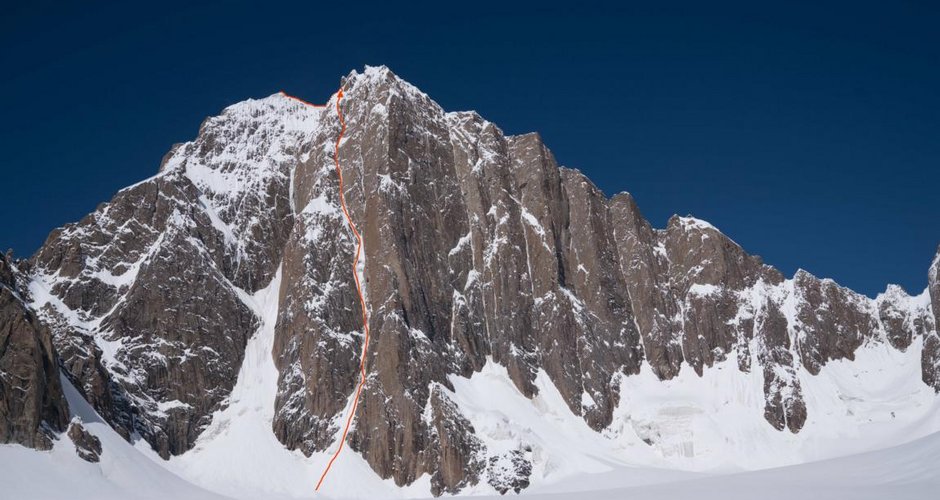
[482,247]
[32,406]
[930,360]
[479,249]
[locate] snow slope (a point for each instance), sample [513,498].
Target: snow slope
[904,472]
[238,455]
[122,473]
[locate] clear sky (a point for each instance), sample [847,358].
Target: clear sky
[809,132]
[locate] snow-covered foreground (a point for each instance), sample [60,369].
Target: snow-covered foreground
[59,474]
[689,437]
[908,471]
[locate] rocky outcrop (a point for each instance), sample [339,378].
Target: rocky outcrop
[478,248]
[841,313]
[510,471]
[32,406]
[930,360]
[87,445]
[462,453]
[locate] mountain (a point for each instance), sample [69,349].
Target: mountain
[525,327]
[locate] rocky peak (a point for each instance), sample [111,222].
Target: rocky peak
[904,317]
[700,254]
[145,296]
[380,82]
[241,164]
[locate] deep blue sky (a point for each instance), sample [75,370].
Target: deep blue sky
[808,132]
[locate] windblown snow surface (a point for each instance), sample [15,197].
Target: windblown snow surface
[242,459]
[60,474]
[689,437]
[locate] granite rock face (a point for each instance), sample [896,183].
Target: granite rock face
[930,360]
[32,406]
[478,248]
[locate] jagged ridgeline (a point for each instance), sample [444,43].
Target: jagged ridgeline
[479,251]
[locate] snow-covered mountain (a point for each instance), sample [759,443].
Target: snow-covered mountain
[529,333]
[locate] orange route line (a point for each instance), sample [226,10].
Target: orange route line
[285,94]
[355,262]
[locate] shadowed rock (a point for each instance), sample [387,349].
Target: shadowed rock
[32,406]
